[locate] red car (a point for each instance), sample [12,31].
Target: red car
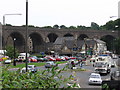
[58,59]
[31,59]
[1,59]
[50,58]
[72,57]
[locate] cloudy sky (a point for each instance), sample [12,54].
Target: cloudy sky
[61,12]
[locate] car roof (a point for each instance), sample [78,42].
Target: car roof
[95,74]
[31,65]
[50,62]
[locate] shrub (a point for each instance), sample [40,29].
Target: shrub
[49,78]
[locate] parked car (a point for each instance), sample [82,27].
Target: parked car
[113,63]
[42,59]
[115,75]
[32,59]
[50,64]
[58,59]
[64,58]
[8,61]
[95,78]
[1,59]
[50,58]
[31,68]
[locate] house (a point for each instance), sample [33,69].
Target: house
[70,46]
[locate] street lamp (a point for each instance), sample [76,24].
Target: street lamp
[26,44]
[4,21]
[14,62]
[9,14]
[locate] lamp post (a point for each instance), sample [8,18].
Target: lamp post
[14,62]
[5,24]
[26,44]
[9,14]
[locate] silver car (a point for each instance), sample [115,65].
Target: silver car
[31,68]
[7,61]
[50,64]
[95,78]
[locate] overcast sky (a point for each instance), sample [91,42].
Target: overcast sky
[61,12]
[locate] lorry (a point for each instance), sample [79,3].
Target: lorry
[103,64]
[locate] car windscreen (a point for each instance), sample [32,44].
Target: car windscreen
[29,66]
[94,76]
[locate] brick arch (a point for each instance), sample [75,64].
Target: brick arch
[109,39]
[68,35]
[82,36]
[37,42]
[52,37]
[19,41]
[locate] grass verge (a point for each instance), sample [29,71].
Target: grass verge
[20,65]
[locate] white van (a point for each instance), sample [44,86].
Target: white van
[21,58]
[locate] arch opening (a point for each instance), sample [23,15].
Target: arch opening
[52,37]
[18,39]
[68,35]
[109,39]
[36,43]
[82,36]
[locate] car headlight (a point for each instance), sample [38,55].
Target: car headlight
[90,80]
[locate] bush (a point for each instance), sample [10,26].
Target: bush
[49,78]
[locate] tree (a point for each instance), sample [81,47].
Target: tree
[63,27]
[10,52]
[47,27]
[56,26]
[83,27]
[72,27]
[8,25]
[112,25]
[94,26]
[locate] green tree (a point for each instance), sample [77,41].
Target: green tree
[47,27]
[94,26]
[56,26]
[10,52]
[83,27]
[112,25]
[72,27]
[63,27]
[8,25]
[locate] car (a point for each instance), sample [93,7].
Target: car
[58,59]
[95,78]
[50,58]
[32,59]
[113,63]
[1,59]
[115,75]
[42,59]
[31,68]
[7,61]
[50,64]
[21,58]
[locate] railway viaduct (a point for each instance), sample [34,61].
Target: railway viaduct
[41,38]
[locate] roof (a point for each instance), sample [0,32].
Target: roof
[70,42]
[99,41]
[90,42]
[61,40]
